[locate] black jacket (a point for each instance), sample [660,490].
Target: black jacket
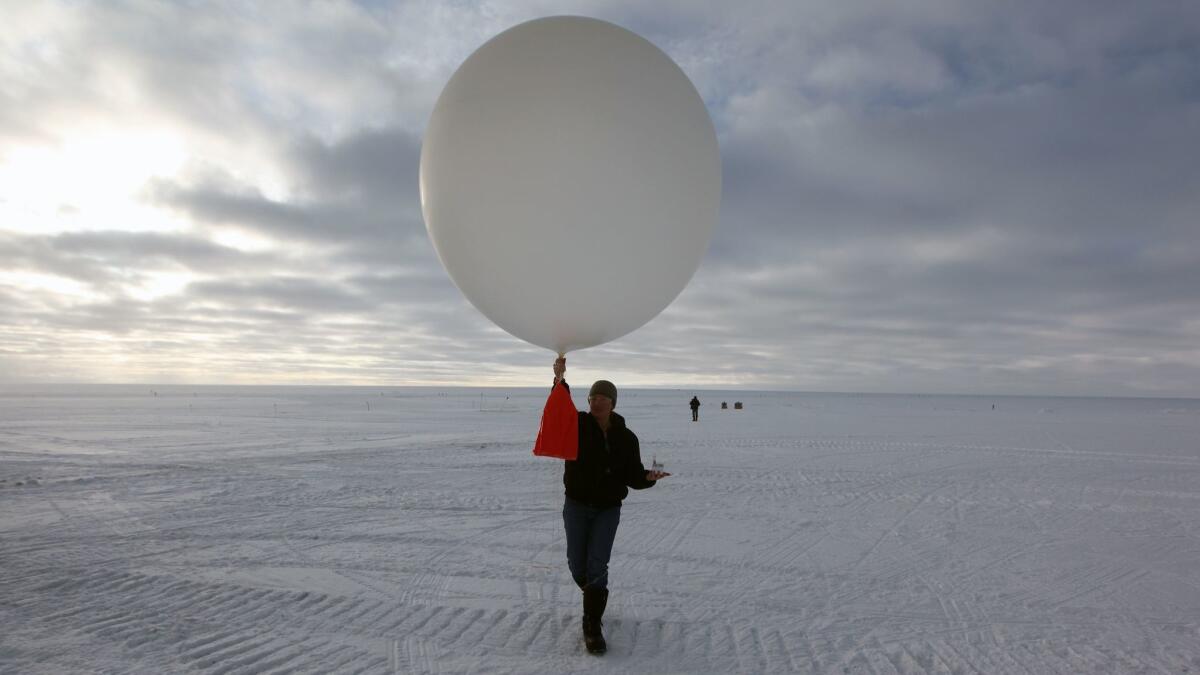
[606,466]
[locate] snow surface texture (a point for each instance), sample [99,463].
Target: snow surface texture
[264,530]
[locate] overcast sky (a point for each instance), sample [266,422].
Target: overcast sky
[931,196]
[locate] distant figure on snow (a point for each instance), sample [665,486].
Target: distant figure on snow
[695,409]
[597,480]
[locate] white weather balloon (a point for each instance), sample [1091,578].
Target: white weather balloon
[570,181]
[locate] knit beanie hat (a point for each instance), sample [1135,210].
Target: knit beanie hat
[605,388]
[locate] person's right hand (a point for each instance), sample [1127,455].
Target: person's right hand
[560,367]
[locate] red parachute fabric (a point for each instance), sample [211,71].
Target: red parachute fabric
[559,434]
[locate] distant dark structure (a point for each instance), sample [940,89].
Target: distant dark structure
[737,405]
[724,405]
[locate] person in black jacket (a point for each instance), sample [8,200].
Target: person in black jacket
[695,404]
[596,481]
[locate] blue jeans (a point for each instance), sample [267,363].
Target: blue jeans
[590,535]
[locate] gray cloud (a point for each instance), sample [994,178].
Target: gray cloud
[359,195]
[295,293]
[115,262]
[376,164]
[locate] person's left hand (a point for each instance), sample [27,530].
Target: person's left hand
[656,475]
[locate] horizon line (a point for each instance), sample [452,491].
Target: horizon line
[708,388]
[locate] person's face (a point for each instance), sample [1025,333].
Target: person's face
[600,405]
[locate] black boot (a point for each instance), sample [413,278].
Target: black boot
[594,601]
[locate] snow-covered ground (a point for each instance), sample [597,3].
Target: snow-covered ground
[317,530]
